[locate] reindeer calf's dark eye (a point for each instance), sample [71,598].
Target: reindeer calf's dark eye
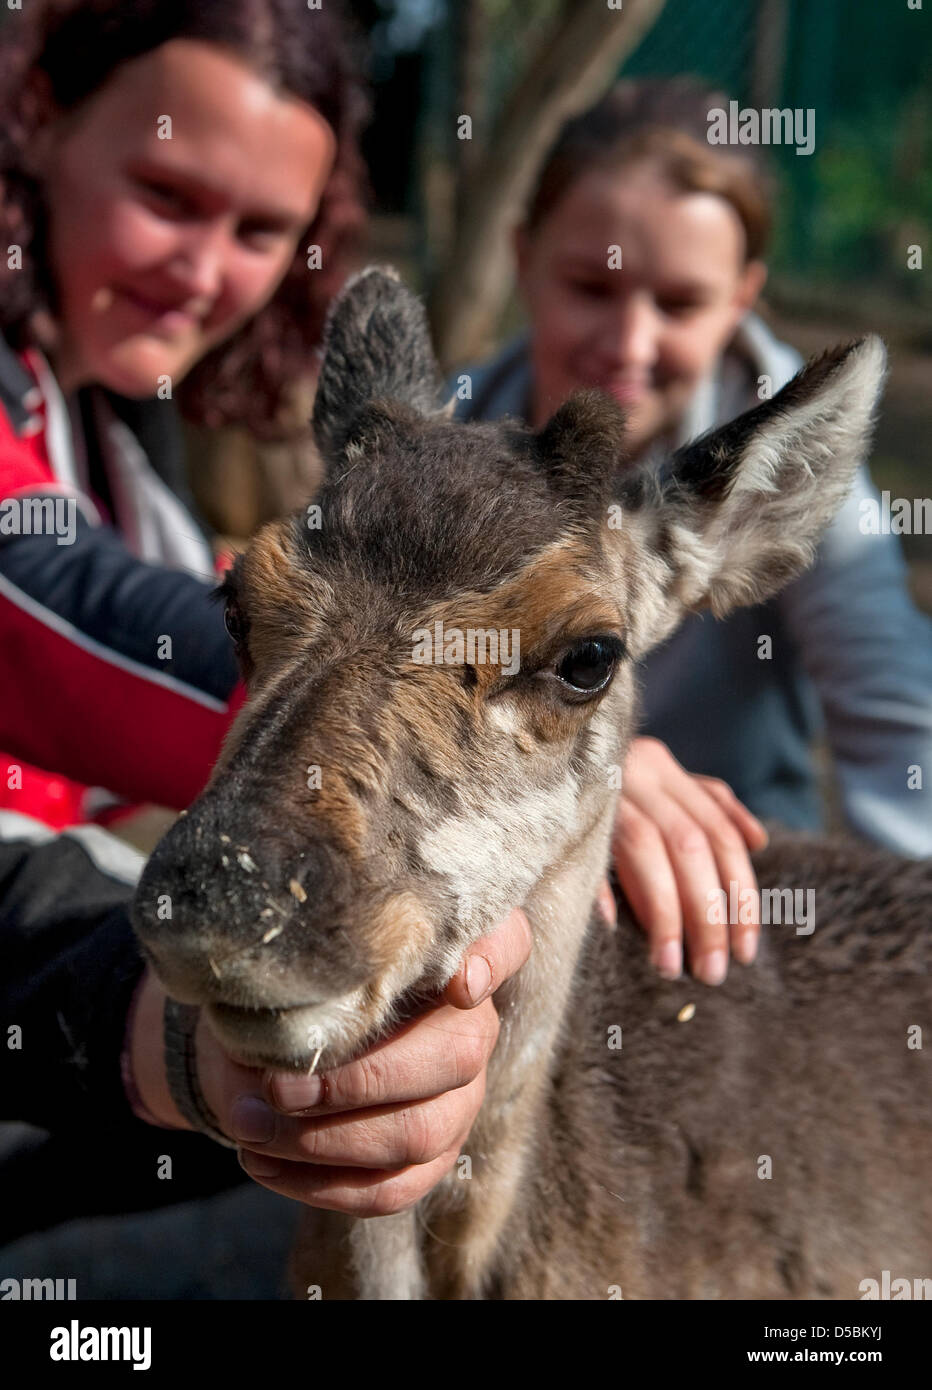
[233,623]
[589,665]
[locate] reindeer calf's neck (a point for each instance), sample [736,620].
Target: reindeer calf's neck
[532,1008]
[449,1245]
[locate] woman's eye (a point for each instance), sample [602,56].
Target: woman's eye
[591,289]
[163,192]
[589,666]
[261,237]
[679,308]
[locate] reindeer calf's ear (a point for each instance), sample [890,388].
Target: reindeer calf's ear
[740,512]
[376,347]
[581,448]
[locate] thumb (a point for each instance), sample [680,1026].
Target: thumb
[490,961]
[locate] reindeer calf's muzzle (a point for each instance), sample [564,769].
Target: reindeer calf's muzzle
[233,914]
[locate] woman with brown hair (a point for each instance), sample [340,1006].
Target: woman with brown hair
[181,195]
[639,261]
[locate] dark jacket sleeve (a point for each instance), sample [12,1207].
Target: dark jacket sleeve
[70,965]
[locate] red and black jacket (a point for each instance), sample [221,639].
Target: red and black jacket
[92,696]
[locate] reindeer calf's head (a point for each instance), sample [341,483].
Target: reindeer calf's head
[439,656]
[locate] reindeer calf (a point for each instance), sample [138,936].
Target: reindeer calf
[773,1145]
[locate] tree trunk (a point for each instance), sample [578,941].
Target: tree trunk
[573,65]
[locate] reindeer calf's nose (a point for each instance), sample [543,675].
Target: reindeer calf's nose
[234,872]
[232,909]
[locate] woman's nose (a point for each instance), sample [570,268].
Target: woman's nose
[632,331]
[198,266]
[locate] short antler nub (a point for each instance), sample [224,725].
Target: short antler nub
[376,348]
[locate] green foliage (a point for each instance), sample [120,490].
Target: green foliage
[866,196]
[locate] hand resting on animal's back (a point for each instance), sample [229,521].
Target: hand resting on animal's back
[678,839]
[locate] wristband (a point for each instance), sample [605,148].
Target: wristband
[130,1089]
[180,1021]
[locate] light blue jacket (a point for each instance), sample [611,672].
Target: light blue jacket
[851,654]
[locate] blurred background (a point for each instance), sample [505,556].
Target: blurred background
[442,206]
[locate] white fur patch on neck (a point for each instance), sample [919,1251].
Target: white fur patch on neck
[387,1258]
[494,856]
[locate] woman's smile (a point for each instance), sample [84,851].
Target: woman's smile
[165,319]
[627,391]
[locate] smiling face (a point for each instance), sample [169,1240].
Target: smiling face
[162,248]
[644,333]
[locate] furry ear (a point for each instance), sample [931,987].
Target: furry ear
[376,347]
[737,514]
[581,449]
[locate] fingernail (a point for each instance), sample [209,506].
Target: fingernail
[258,1165]
[478,978]
[746,949]
[712,968]
[296,1091]
[669,960]
[253,1121]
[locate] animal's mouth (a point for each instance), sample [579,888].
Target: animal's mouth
[318,1035]
[293,1038]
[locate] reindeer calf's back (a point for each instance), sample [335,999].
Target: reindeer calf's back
[774,1144]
